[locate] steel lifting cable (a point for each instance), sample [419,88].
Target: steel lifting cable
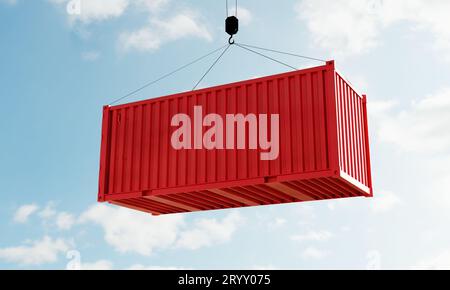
[282,52]
[225,48]
[246,47]
[167,75]
[266,56]
[211,67]
[223,52]
[226,7]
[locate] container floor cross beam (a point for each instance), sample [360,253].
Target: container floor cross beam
[300,136]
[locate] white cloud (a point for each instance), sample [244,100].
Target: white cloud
[62,220]
[65,221]
[206,232]
[384,201]
[439,173]
[418,129]
[343,26]
[313,236]
[87,11]
[143,40]
[354,26]
[36,253]
[379,109]
[159,32]
[314,253]
[24,212]
[423,127]
[132,231]
[48,211]
[439,262]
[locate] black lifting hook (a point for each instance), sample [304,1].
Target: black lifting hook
[231,27]
[231,40]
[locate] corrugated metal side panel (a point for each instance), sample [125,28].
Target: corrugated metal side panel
[141,158]
[354,156]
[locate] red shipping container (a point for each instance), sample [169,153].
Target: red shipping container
[293,137]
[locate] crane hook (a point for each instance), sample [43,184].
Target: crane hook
[231,27]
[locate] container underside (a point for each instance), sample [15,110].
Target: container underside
[270,193]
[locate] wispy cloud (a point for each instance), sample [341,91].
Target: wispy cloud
[24,212]
[161,28]
[421,126]
[206,232]
[130,231]
[158,32]
[87,11]
[38,252]
[355,26]
[65,221]
[48,211]
[49,215]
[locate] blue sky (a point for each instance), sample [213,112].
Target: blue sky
[58,70]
